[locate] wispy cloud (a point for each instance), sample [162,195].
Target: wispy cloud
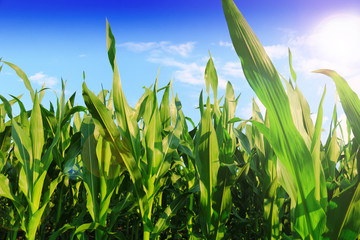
[191,73]
[226,44]
[40,78]
[311,52]
[183,49]
[277,51]
[232,69]
[82,55]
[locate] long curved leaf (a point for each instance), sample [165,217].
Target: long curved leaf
[207,164]
[104,119]
[23,76]
[286,141]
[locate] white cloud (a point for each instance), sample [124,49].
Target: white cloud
[324,48]
[276,51]
[82,55]
[222,82]
[233,69]
[226,44]
[140,46]
[41,78]
[181,49]
[156,48]
[191,73]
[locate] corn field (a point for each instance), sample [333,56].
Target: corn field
[109,170]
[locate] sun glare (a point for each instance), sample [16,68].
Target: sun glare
[338,37]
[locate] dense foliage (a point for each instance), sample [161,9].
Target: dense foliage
[112,171]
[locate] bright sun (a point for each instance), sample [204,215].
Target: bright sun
[338,37]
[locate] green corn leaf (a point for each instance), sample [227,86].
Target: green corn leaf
[94,226]
[211,78]
[173,106]
[318,124]
[228,113]
[23,144]
[104,207]
[37,137]
[7,106]
[141,106]
[77,122]
[34,223]
[229,107]
[91,204]
[85,227]
[332,155]
[344,214]
[100,114]
[24,184]
[61,230]
[349,100]
[91,163]
[75,147]
[171,142]
[5,140]
[271,211]
[102,96]
[222,201]
[68,114]
[288,144]
[320,187]
[207,164]
[23,76]
[124,114]
[308,124]
[201,104]
[154,142]
[2,160]
[293,74]
[297,113]
[38,189]
[243,140]
[343,219]
[23,113]
[50,191]
[165,108]
[170,211]
[5,190]
[103,153]
[108,181]
[42,92]
[103,118]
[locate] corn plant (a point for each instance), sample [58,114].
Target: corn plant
[146,169]
[295,143]
[214,149]
[124,172]
[343,212]
[35,156]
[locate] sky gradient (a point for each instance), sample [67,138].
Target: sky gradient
[57,39]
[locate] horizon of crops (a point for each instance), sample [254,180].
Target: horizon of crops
[109,170]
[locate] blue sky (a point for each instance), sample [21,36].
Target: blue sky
[57,39]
